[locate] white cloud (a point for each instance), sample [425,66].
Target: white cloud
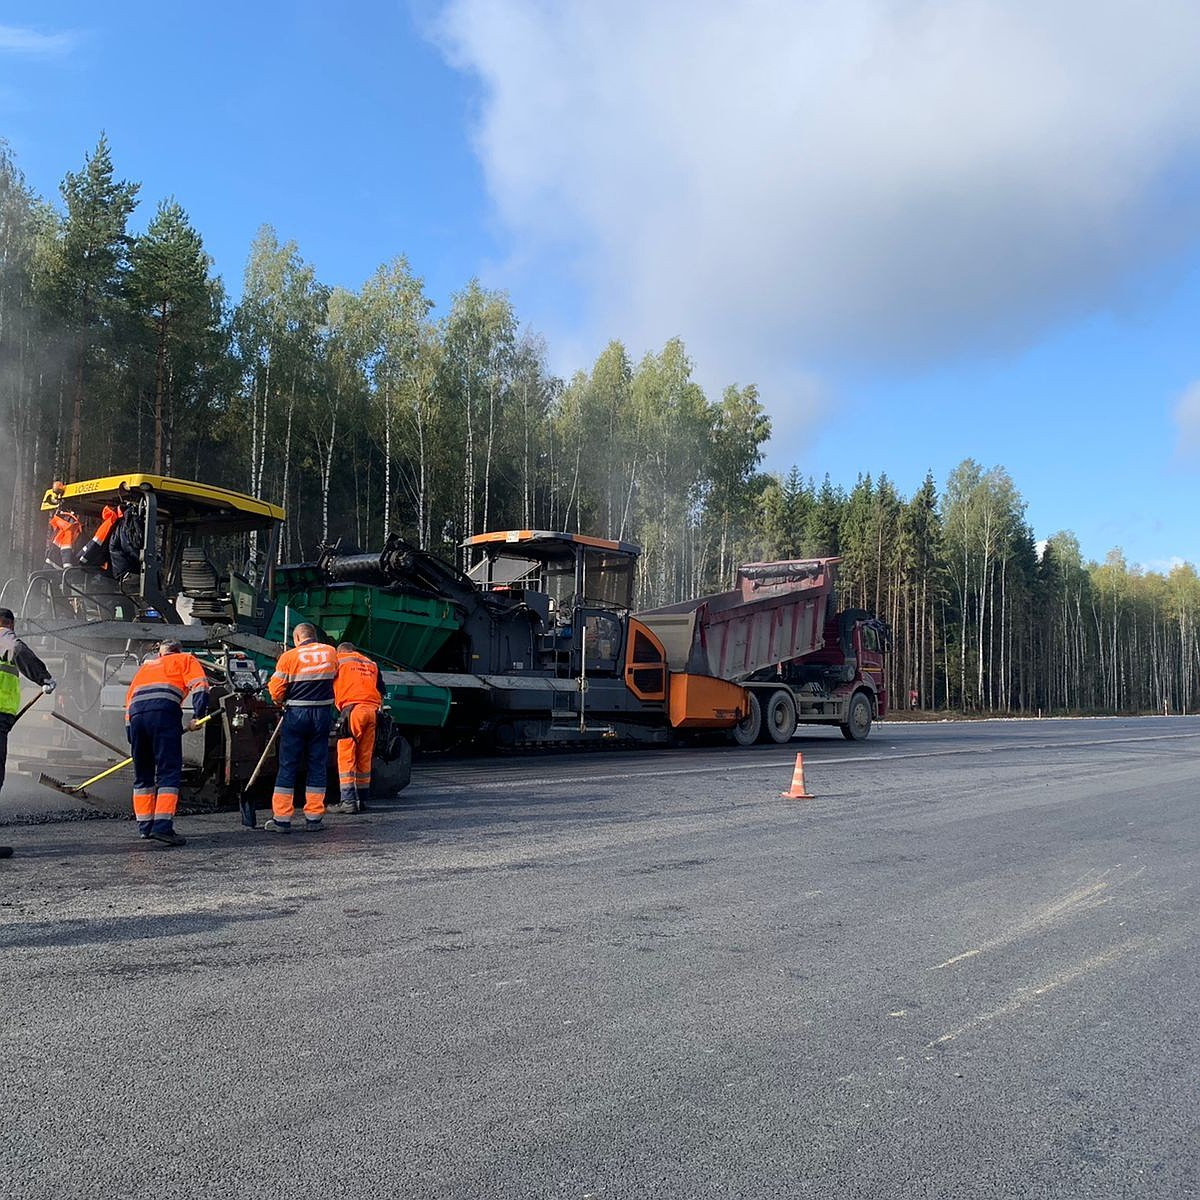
[14,40]
[787,182]
[1164,566]
[1187,422]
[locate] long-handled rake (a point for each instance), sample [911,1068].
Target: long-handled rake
[87,732]
[80,789]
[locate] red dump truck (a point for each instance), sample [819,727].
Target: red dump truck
[776,633]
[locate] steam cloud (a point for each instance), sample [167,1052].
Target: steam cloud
[876,181]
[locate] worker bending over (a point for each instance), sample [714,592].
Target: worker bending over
[357,695]
[303,684]
[16,659]
[153,722]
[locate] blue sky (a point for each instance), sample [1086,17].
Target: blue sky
[926,229]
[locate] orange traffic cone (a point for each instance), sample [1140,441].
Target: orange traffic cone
[796,791]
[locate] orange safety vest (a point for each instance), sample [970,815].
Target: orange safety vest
[304,676]
[163,682]
[358,681]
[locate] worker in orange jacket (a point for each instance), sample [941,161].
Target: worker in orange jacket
[357,696]
[95,553]
[65,529]
[303,684]
[154,725]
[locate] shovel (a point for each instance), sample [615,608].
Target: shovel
[246,804]
[80,789]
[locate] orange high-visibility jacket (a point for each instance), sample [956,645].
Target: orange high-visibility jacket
[358,681]
[110,516]
[64,529]
[304,676]
[163,682]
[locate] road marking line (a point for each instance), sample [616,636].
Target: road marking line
[1046,916]
[1025,995]
[957,958]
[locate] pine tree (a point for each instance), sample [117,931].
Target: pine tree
[89,282]
[170,291]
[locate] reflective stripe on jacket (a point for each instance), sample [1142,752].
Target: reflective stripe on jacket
[65,529]
[163,682]
[358,681]
[304,676]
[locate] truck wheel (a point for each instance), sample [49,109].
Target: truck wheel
[858,717]
[746,732]
[779,717]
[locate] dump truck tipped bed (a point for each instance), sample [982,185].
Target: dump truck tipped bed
[776,613]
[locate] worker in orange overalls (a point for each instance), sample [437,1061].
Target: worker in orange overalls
[65,529]
[358,696]
[303,684]
[154,725]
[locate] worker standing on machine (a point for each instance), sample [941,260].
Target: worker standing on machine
[155,729]
[95,553]
[303,684]
[357,695]
[64,530]
[16,659]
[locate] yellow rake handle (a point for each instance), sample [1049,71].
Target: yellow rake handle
[79,787]
[123,763]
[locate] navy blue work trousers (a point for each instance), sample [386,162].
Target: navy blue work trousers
[156,738]
[303,745]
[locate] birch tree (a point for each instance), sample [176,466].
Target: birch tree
[394,310]
[740,426]
[478,339]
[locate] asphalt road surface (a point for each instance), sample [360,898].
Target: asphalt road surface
[967,968]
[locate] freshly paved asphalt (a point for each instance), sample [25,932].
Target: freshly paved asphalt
[967,968]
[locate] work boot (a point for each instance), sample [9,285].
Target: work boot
[316,826]
[5,852]
[168,837]
[344,806]
[273,826]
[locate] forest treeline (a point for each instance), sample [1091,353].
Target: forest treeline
[368,412]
